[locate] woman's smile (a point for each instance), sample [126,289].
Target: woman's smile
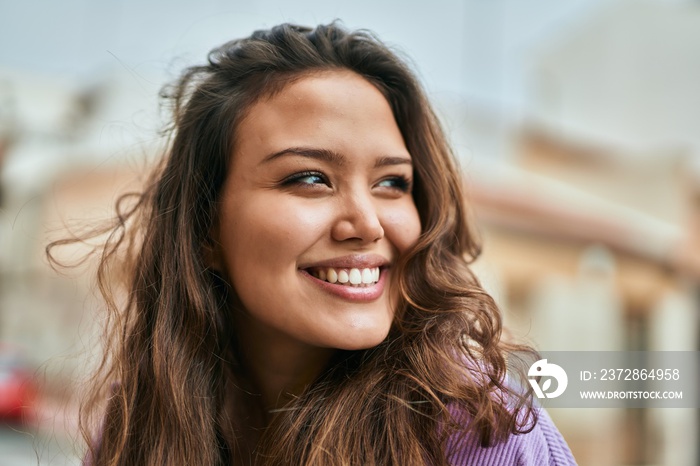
[353,278]
[341,284]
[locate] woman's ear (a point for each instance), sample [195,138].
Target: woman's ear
[211,250]
[212,256]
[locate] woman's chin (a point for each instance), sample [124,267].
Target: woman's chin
[364,339]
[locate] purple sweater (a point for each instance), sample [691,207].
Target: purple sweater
[543,446]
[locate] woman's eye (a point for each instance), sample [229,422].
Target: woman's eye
[310,179]
[399,183]
[305,178]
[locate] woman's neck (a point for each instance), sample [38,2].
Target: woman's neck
[279,366]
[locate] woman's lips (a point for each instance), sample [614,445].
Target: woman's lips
[348,292]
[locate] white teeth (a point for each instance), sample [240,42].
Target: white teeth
[355,277]
[332,276]
[367,275]
[351,277]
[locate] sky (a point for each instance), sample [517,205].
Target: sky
[460,48]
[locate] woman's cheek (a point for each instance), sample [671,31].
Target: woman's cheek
[294,222]
[402,226]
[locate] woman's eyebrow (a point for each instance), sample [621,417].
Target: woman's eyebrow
[310,152]
[333,157]
[392,160]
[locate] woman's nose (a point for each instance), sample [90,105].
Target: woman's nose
[357,219]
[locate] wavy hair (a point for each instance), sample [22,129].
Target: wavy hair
[171,370]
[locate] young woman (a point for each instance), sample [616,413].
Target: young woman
[298,286]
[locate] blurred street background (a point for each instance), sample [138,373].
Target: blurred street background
[577,125]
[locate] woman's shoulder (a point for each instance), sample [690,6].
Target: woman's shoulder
[542,446]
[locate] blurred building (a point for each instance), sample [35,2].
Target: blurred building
[591,233]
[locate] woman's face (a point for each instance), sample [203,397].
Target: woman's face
[315,211]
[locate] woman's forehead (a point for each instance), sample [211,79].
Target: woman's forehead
[335,110]
[327,89]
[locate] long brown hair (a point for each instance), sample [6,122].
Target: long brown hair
[171,363]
